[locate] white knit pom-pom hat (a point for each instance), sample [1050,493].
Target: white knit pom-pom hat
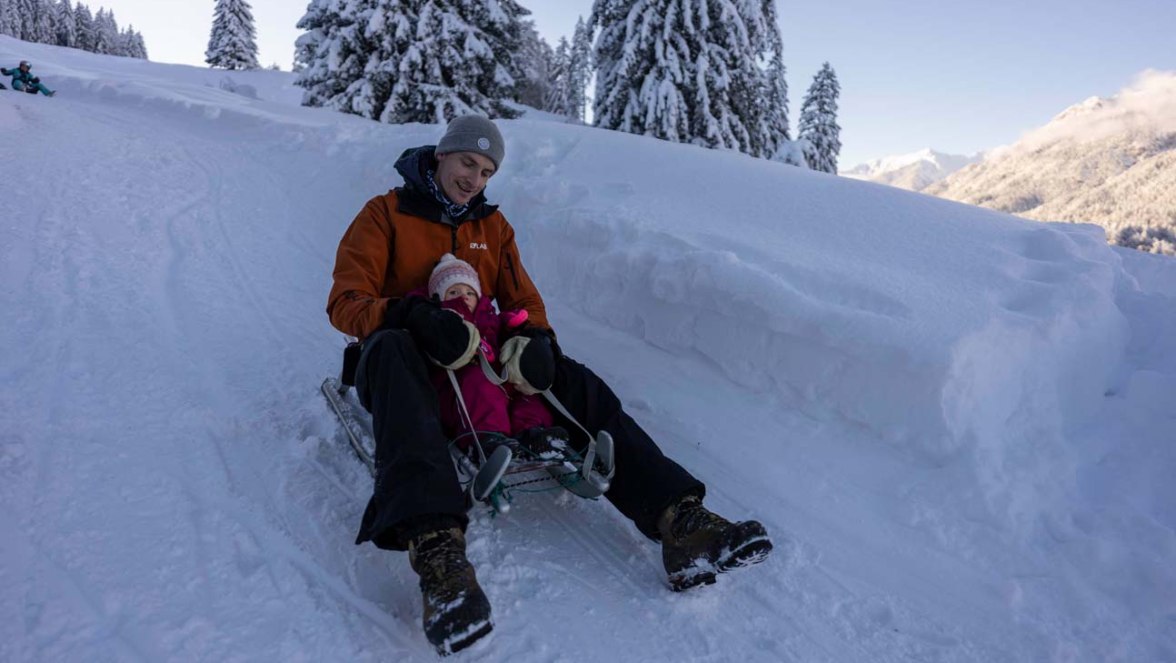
[449,272]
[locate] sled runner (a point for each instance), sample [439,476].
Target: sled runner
[490,467]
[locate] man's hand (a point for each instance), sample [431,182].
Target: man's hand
[530,360]
[448,339]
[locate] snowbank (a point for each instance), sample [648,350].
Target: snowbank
[948,330]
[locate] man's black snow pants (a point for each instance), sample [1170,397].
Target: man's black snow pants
[415,478]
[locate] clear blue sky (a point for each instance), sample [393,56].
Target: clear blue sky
[955,76]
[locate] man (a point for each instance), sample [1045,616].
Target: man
[417,504]
[24,81]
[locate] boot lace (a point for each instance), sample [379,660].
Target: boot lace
[692,517]
[441,556]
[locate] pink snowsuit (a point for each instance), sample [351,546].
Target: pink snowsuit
[492,408]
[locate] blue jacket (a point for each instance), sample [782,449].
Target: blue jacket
[25,77]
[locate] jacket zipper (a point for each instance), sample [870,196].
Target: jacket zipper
[452,232]
[510,268]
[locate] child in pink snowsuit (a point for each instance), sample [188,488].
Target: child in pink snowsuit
[492,408]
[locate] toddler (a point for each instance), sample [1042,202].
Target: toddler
[492,408]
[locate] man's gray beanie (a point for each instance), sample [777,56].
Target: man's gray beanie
[473,133]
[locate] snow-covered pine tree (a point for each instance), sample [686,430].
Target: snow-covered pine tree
[643,54]
[735,36]
[579,69]
[773,128]
[386,30]
[67,25]
[84,28]
[683,70]
[612,59]
[105,32]
[232,43]
[29,13]
[16,13]
[558,97]
[407,60]
[8,23]
[513,41]
[449,67]
[533,68]
[329,52]
[130,44]
[138,45]
[45,22]
[308,48]
[818,121]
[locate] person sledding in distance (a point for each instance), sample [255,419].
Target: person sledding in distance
[417,504]
[24,81]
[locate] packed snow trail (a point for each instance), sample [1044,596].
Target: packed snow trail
[831,358]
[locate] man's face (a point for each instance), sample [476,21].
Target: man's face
[24,66]
[463,175]
[464,293]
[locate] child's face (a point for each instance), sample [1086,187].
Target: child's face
[463,292]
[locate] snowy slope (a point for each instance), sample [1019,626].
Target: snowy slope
[914,171]
[955,423]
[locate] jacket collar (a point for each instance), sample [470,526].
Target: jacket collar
[414,197]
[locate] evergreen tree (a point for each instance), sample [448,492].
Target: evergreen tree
[42,22]
[357,44]
[534,65]
[4,20]
[8,22]
[818,122]
[137,45]
[319,53]
[515,44]
[26,12]
[105,33]
[773,128]
[67,25]
[84,31]
[389,31]
[232,43]
[442,69]
[449,68]
[409,60]
[130,44]
[558,97]
[579,69]
[641,73]
[684,70]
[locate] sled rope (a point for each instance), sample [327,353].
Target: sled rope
[499,380]
[465,413]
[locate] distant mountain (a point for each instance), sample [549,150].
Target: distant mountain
[915,171]
[1105,161]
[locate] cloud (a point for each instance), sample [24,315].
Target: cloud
[1146,106]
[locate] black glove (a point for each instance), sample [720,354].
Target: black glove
[443,335]
[530,359]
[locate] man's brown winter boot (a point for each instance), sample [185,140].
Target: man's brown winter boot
[697,544]
[457,612]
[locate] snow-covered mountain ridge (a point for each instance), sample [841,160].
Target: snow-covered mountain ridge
[1106,161]
[914,171]
[955,423]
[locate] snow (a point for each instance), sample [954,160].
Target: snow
[955,424]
